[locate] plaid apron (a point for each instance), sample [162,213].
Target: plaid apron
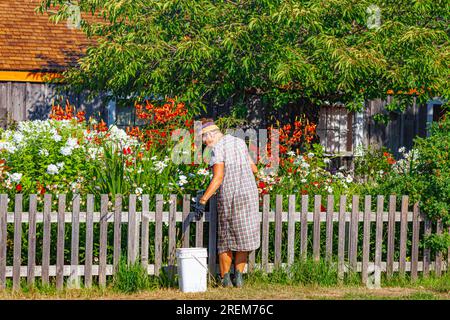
[238,198]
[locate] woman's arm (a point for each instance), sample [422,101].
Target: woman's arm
[253,165]
[218,172]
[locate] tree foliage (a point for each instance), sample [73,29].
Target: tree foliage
[209,50]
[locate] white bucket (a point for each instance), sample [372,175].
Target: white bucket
[192,269]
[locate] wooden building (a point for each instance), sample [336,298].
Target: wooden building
[33,50]
[341,132]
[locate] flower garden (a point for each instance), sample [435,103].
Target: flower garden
[69,154]
[73,155]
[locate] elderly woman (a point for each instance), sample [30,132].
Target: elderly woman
[237,201]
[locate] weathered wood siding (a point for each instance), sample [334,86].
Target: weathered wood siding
[400,131]
[337,126]
[30,101]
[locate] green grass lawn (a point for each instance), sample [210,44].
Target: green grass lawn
[259,291]
[305,280]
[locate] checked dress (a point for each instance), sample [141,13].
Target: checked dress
[238,199]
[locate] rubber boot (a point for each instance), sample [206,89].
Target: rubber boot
[226,280]
[238,279]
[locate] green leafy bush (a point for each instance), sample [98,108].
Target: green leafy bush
[424,174]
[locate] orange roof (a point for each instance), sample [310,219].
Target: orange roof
[30,42]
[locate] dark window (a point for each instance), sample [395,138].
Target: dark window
[438,112]
[335,129]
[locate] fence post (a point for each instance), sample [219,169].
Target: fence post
[31,239]
[46,238]
[199,228]
[185,229]
[366,237]
[103,240]
[353,242]
[278,228]
[304,228]
[117,231]
[438,258]
[17,241]
[3,239]
[74,280]
[415,242]
[172,235]
[212,243]
[158,233]
[341,237]
[291,230]
[391,236]
[60,242]
[403,235]
[329,228]
[265,233]
[379,239]
[316,227]
[427,250]
[132,229]
[89,240]
[144,231]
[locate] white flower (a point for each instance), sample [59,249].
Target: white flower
[402,150]
[160,165]
[60,165]
[203,172]
[153,158]
[303,180]
[183,180]
[17,137]
[326,160]
[15,177]
[66,151]
[72,143]
[349,179]
[305,165]
[57,137]
[329,189]
[310,155]
[138,191]
[52,169]
[339,175]
[291,153]
[43,152]
[381,172]
[8,147]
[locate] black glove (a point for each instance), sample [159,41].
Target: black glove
[199,210]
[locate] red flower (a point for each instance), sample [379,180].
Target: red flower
[262,185]
[127,151]
[19,188]
[322,208]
